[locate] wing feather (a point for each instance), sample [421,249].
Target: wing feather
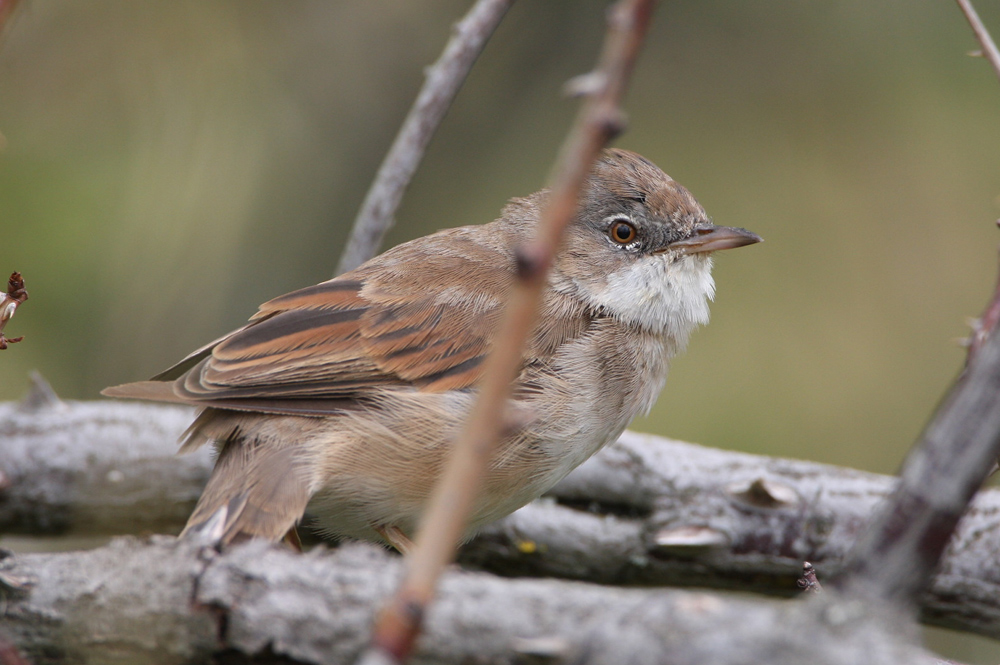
[399,320]
[422,315]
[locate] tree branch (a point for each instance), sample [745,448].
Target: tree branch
[163,601]
[643,511]
[96,467]
[651,511]
[443,81]
[982,34]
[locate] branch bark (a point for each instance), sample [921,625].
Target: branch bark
[96,467]
[444,79]
[164,602]
[651,511]
[644,511]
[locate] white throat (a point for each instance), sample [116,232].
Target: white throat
[667,298]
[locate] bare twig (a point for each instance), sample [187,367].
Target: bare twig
[984,325]
[9,302]
[599,120]
[444,79]
[989,48]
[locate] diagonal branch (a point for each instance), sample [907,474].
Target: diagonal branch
[444,79]
[989,48]
[599,120]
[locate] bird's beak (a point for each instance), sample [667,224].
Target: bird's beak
[714,238]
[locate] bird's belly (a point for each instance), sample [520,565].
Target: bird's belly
[381,465]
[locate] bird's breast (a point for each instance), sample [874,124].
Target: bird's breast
[593,387]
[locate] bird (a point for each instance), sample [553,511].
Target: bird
[347,396]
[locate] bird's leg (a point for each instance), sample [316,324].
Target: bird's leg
[396,538]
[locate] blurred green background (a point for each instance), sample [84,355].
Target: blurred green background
[168,166]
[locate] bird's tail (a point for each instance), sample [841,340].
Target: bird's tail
[256,490]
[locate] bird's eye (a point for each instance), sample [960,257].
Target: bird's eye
[622,232]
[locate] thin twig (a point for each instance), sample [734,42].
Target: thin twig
[984,325]
[989,48]
[443,81]
[599,120]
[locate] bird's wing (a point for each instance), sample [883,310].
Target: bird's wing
[405,319]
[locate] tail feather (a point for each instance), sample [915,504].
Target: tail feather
[254,492]
[156,391]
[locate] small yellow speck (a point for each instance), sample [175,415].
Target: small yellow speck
[527,546]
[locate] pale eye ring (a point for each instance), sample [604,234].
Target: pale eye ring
[622,231]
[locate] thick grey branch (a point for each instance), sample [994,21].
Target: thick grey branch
[164,602]
[96,468]
[646,510]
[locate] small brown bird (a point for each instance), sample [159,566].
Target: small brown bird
[346,396]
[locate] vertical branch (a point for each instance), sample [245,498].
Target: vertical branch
[985,41]
[599,120]
[444,79]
